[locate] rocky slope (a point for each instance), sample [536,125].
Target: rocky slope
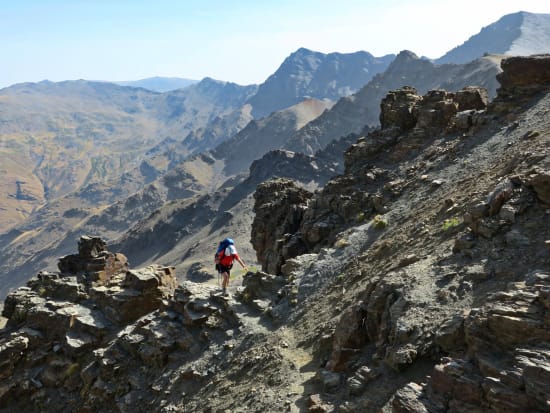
[518,34]
[398,287]
[308,74]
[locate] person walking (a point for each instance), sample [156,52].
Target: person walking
[225,255]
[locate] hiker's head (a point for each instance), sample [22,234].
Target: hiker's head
[228,241]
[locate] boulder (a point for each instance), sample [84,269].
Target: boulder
[397,109]
[349,335]
[540,181]
[472,98]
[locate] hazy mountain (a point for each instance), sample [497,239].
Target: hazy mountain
[351,114]
[58,137]
[159,84]
[309,74]
[218,130]
[518,34]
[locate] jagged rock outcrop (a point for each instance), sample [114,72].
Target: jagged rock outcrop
[396,109]
[279,209]
[408,119]
[408,122]
[73,340]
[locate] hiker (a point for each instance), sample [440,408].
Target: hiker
[224,257]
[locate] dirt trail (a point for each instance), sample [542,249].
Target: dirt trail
[303,383]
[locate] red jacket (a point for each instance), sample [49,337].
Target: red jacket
[227,256]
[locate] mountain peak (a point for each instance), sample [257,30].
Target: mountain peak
[307,73]
[517,34]
[406,56]
[304,50]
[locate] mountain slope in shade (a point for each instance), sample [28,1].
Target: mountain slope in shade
[520,34]
[158,83]
[350,114]
[309,74]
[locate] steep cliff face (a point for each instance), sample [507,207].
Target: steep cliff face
[408,290]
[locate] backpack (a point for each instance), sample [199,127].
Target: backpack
[222,247]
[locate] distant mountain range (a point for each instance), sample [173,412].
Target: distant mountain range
[159,84]
[94,156]
[520,34]
[308,74]
[59,137]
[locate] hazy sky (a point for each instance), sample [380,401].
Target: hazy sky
[236,40]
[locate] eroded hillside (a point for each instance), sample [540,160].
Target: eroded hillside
[57,138]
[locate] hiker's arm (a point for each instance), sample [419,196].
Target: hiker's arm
[241,262]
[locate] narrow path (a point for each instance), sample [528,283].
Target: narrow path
[303,383]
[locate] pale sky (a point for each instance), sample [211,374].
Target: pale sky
[242,41]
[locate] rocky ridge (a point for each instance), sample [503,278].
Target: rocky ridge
[350,114]
[74,333]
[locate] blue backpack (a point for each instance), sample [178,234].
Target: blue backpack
[224,244]
[221,250]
